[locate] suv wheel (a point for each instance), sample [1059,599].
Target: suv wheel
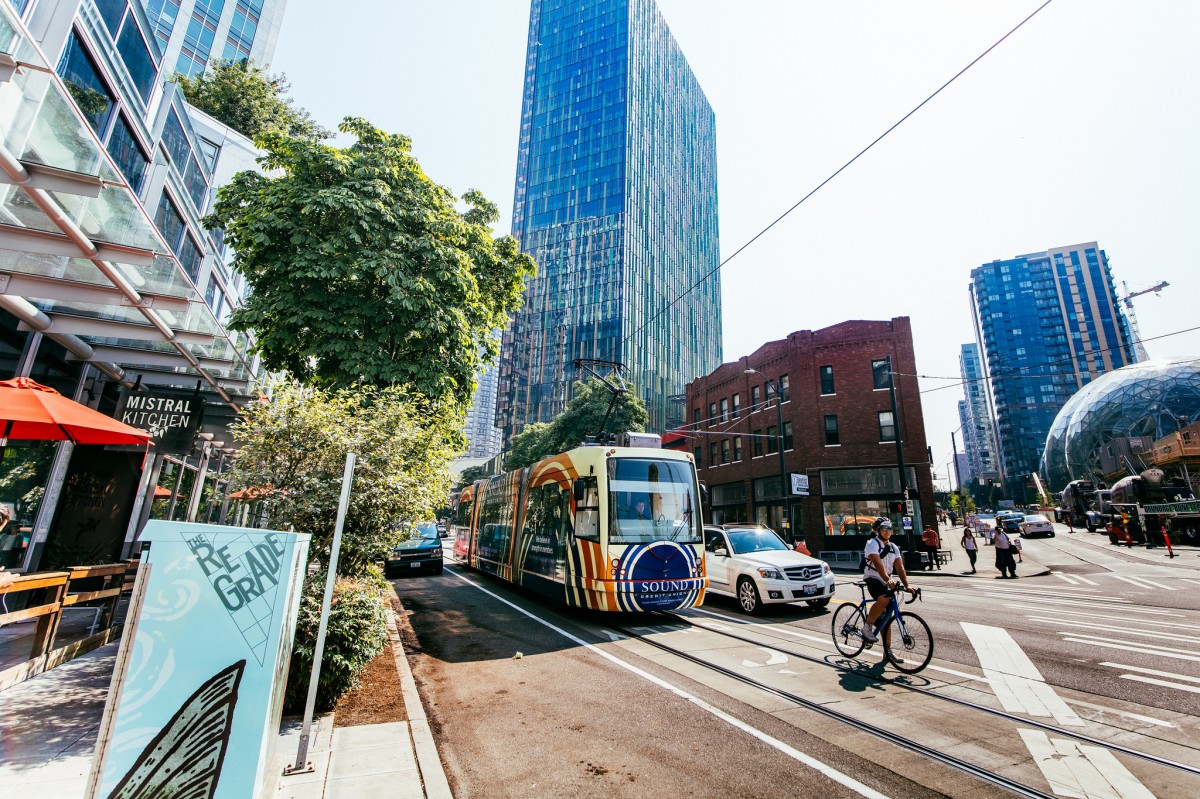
[747,594]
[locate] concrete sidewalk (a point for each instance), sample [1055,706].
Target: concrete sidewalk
[49,724]
[960,566]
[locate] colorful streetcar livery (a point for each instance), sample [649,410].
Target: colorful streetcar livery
[606,528]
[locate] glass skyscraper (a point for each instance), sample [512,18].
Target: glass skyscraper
[978,423]
[191,33]
[1048,324]
[616,200]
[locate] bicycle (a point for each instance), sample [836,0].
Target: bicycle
[910,630]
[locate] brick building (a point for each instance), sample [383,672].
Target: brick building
[838,430]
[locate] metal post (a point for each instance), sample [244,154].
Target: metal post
[302,765]
[175,488]
[198,485]
[899,443]
[962,500]
[784,488]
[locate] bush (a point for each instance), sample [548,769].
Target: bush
[357,632]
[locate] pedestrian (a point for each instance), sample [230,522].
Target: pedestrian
[1015,546]
[953,518]
[1004,558]
[969,544]
[929,538]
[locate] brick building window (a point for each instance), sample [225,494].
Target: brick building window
[831,431]
[785,393]
[737,448]
[697,452]
[712,454]
[712,413]
[737,406]
[772,440]
[725,450]
[757,448]
[724,411]
[880,374]
[827,380]
[696,417]
[887,426]
[787,435]
[755,397]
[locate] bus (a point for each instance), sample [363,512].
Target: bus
[598,527]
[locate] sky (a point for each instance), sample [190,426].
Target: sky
[1082,126]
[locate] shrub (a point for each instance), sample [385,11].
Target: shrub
[356,633]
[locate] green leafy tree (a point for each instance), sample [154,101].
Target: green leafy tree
[361,269]
[580,419]
[473,473]
[247,99]
[295,449]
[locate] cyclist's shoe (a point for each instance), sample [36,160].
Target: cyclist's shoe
[868,634]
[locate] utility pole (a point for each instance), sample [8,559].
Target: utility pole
[784,487]
[899,443]
[962,500]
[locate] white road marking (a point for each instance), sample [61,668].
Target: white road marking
[1142,582]
[1155,633]
[1086,580]
[829,771]
[1126,713]
[1066,578]
[1091,614]
[1103,643]
[1155,681]
[773,659]
[1077,771]
[1016,682]
[1121,605]
[1155,672]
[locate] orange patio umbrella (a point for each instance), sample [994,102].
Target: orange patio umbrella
[161,493]
[30,411]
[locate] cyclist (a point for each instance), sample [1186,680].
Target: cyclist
[882,558]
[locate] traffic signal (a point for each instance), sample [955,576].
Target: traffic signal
[896,506]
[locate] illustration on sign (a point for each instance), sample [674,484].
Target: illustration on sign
[185,758]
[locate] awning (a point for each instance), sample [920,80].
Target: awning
[30,411]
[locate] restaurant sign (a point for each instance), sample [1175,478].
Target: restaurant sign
[171,415]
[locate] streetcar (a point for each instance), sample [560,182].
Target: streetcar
[601,527]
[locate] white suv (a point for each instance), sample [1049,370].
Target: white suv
[753,564]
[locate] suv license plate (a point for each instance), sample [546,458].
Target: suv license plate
[415,565]
[809,589]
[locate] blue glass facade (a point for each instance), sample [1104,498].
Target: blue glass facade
[1048,324]
[616,200]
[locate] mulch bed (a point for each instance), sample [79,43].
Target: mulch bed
[378,699]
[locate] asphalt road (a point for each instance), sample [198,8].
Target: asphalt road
[548,702]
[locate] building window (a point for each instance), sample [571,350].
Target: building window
[827,380]
[696,417]
[772,440]
[887,426]
[737,448]
[85,85]
[831,431]
[697,452]
[169,223]
[755,397]
[712,454]
[724,411]
[881,374]
[111,12]
[725,450]
[124,149]
[785,393]
[135,54]
[737,406]
[757,447]
[787,435]
[712,414]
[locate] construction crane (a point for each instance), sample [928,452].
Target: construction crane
[1139,349]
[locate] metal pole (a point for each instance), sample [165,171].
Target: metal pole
[783,481]
[302,765]
[899,442]
[962,501]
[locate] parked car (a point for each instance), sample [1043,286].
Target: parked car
[1010,522]
[1037,525]
[752,564]
[443,531]
[421,553]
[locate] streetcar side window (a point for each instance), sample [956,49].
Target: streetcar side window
[587,509]
[463,517]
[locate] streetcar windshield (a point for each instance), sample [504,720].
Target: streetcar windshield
[652,500]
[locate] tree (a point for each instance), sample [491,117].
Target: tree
[295,449]
[580,419]
[472,473]
[361,269]
[247,99]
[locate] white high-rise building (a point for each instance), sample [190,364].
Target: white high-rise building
[191,33]
[979,427]
[484,439]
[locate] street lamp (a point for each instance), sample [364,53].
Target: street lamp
[783,479]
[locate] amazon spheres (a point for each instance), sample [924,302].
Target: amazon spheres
[1128,408]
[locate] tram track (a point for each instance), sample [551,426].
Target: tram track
[897,739]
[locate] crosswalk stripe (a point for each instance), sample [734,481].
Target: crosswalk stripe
[1128,648]
[1155,672]
[1014,678]
[1086,580]
[1082,602]
[1153,681]
[1191,639]
[1081,772]
[1065,578]
[1142,582]
[1092,615]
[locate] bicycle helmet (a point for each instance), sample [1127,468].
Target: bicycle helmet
[880,523]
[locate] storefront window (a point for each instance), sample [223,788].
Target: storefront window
[853,517]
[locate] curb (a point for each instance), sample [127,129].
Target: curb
[429,762]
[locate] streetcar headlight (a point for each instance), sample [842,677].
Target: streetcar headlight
[769,574]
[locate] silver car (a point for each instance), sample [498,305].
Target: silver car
[1035,526]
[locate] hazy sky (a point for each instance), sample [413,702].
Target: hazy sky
[1083,126]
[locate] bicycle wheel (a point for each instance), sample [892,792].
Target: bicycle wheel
[909,646]
[845,634]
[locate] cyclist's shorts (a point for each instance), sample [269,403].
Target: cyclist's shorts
[876,587]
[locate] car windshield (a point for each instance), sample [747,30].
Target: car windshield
[652,500]
[427,530]
[746,541]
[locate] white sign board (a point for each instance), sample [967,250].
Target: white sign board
[909,507]
[799,485]
[907,522]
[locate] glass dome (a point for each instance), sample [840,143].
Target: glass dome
[1153,398]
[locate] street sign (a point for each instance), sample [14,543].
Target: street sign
[799,485]
[908,505]
[907,523]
